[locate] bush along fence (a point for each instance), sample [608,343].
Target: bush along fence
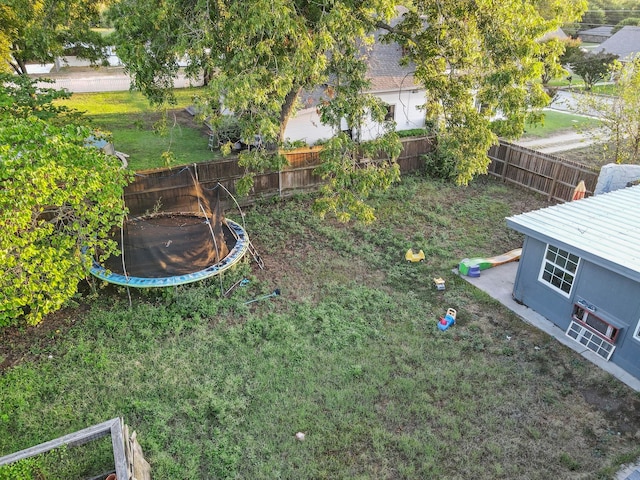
[546,174]
[297,177]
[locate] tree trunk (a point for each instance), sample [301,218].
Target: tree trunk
[287,110]
[18,63]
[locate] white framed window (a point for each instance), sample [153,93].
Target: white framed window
[593,332]
[636,334]
[559,269]
[589,339]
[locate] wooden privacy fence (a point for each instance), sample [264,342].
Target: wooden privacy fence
[543,173]
[297,177]
[546,174]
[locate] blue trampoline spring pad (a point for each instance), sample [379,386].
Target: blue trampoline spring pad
[188,264]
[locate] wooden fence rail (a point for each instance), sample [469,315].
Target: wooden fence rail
[542,173]
[549,175]
[297,177]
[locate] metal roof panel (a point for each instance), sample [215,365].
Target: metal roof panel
[604,228]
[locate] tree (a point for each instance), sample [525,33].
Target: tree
[59,198]
[22,97]
[572,47]
[592,67]
[594,17]
[620,129]
[551,55]
[264,53]
[608,12]
[631,21]
[480,53]
[41,30]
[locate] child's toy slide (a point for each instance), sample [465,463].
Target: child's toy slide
[484,263]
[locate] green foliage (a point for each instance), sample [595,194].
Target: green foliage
[592,67]
[551,55]
[620,130]
[414,132]
[439,164]
[22,97]
[264,54]
[57,197]
[631,21]
[43,30]
[606,12]
[485,55]
[352,175]
[572,47]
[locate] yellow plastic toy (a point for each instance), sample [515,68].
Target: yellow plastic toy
[411,256]
[438,283]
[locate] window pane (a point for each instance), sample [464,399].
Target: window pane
[561,262]
[559,268]
[597,324]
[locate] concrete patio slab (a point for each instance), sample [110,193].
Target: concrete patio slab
[498,283]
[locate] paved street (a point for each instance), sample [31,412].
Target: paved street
[557,143]
[109,79]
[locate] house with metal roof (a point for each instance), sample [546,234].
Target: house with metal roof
[625,43]
[580,268]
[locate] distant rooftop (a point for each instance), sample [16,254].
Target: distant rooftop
[625,43]
[602,31]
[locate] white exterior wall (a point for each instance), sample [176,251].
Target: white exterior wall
[306,124]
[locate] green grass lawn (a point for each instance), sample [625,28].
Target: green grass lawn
[135,128]
[349,354]
[133,124]
[605,89]
[558,122]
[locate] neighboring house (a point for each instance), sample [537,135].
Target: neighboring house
[595,35]
[390,82]
[580,268]
[559,34]
[625,43]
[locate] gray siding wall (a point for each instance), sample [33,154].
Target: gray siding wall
[616,298]
[537,295]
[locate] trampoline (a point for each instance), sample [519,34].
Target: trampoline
[175,234]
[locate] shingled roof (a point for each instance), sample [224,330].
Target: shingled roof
[625,43]
[384,70]
[601,31]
